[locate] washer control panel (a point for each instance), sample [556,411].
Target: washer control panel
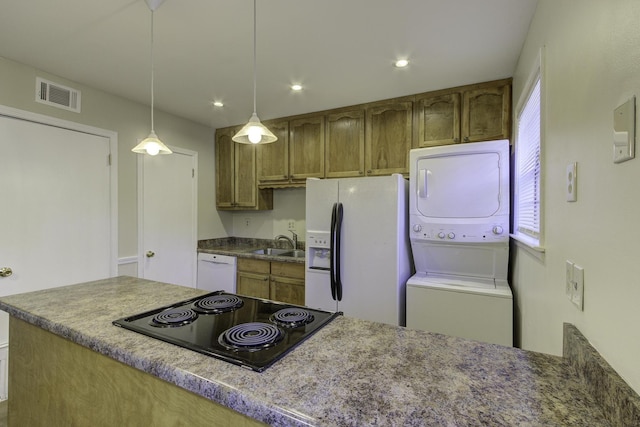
[470,233]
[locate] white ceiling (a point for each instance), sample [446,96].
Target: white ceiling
[340,50]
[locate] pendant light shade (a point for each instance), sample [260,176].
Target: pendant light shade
[151,144]
[254,132]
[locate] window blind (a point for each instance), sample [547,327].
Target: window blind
[528,166]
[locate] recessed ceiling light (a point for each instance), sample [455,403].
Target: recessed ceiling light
[218,104]
[401,63]
[296,87]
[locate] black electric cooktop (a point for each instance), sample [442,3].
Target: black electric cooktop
[249,332]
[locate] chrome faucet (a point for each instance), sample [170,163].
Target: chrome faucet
[282,236]
[295,239]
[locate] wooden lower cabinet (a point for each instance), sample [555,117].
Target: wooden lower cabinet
[55,382]
[253,278]
[287,282]
[278,281]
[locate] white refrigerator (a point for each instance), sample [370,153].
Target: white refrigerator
[358,255]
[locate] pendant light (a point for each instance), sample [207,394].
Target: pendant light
[152,145]
[254,132]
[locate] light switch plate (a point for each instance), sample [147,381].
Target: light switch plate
[578,287]
[572,180]
[624,131]
[569,280]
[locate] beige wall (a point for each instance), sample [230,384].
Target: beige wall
[132,122]
[592,66]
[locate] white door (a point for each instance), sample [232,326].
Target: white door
[167,206]
[58,204]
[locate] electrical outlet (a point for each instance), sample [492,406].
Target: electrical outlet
[578,287]
[247,222]
[569,280]
[291,225]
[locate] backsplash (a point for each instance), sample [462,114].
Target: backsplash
[620,404]
[288,207]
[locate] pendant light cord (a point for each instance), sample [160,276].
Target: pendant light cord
[152,127]
[254,57]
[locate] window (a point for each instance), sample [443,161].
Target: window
[528,202]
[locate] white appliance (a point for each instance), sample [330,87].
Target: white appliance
[216,272]
[459,232]
[357,247]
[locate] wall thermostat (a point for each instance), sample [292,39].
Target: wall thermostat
[624,131]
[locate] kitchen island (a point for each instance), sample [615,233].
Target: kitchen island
[70,366]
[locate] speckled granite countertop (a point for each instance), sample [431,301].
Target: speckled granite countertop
[242,247]
[350,373]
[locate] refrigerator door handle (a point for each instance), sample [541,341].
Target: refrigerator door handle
[332,251]
[338,280]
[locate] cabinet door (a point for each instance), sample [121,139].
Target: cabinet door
[287,290]
[388,138]
[306,148]
[438,119]
[225,166]
[288,269]
[273,159]
[245,176]
[253,285]
[344,144]
[486,113]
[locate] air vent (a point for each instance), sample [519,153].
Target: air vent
[57,95]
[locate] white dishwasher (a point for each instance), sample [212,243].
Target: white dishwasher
[216,272]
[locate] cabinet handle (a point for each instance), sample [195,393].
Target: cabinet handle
[466,139]
[456,139]
[369,171]
[361,173]
[286,176]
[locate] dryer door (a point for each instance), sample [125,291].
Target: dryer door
[461,185]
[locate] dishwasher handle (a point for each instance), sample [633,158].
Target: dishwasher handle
[217,259]
[212,261]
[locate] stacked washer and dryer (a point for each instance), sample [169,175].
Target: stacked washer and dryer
[459,232]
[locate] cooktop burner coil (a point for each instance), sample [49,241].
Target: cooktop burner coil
[252,336]
[218,304]
[292,317]
[174,317]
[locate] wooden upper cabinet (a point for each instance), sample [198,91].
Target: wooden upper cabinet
[388,138]
[478,112]
[486,113]
[236,182]
[273,158]
[306,148]
[366,139]
[438,119]
[344,144]
[245,190]
[225,168]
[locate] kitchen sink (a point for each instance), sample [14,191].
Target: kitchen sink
[297,253]
[270,251]
[294,253]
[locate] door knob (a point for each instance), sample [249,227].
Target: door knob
[150,254]
[5,272]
